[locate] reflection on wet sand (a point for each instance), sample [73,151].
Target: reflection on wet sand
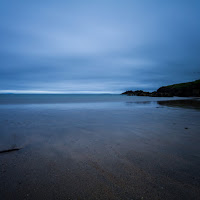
[139,102]
[192,103]
[99,151]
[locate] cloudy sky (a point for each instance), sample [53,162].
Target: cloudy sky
[98,46]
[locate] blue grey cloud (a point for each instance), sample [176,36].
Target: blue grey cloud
[98,46]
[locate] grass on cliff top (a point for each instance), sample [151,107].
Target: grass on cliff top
[184,85]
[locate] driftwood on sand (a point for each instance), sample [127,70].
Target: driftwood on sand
[10,150]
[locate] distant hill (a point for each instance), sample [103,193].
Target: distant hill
[189,89]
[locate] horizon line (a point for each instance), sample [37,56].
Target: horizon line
[55,92]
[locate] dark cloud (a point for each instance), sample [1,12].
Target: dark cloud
[111,46]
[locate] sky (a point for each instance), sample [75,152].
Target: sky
[104,46]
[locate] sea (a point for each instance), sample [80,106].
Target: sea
[99,146]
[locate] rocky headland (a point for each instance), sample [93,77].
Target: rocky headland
[189,89]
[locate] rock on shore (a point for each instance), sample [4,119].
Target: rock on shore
[189,89]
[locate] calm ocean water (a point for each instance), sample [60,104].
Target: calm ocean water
[73,98]
[99,147]
[76,101]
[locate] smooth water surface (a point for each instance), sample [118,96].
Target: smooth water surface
[99,147]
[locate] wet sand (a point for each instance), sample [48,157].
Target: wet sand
[126,150]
